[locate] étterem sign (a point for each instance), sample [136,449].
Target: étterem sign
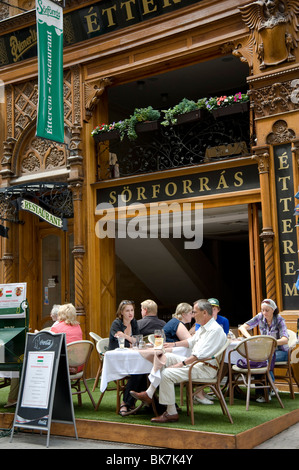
[50,116]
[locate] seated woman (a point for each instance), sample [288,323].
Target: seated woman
[68,323]
[125,325]
[175,329]
[272,324]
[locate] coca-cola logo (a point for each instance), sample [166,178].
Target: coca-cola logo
[41,342]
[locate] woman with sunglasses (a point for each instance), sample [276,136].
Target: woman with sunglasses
[125,325]
[272,324]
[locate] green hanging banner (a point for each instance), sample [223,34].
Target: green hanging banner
[50,116]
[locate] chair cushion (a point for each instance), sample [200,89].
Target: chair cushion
[76,376]
[260,370]
[207,380]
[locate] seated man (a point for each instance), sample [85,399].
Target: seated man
[204,344]
[149,321]
[223,321]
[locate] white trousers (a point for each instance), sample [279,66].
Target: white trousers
[170,376]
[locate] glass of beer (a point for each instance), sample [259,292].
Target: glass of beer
[158,339]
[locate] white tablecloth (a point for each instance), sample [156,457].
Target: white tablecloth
[9,374]
[122,362]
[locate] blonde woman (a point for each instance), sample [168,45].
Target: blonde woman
[175,329]
[68,323]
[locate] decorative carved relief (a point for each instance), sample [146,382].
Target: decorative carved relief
[244,50]
[274,28]
[280,133]
[30,163]
[274,99]
[24,152]
[92,94]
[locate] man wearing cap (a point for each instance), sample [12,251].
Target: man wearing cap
[222,321]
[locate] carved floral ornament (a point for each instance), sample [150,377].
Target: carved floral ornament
[274,32]
[92,94]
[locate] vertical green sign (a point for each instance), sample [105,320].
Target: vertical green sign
[50,116]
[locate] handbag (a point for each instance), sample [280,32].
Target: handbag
[242,364]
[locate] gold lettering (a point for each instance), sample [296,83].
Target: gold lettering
[239,180]
[128,8]
[112,199]
[187,186]
[283,161]
[174,189]
[289,291]
[140,193]
[289,265]
[91,20]
[203,184]
[167,3]
[222,181]
[287,226]
[156,190]
[287,247]
[109,15]
[146,6]
[285,203]
[284,182]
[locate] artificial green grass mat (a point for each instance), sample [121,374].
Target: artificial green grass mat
[208,418]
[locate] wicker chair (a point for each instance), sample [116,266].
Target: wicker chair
[78,354]
[256,349]
[214,384]
[96,339]
[288,374]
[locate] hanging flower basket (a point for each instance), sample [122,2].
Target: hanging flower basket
[232,109]
[191,116]
[147,126]
[107,135]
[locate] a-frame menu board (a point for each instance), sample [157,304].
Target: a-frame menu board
[45,390]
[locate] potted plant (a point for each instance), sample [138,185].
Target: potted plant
[185,111]
[143,119]
[224,105]
[107,131]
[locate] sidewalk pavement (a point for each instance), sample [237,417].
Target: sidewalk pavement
[288,439]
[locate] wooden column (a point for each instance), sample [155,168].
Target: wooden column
[6,174]
[261,154]
[75,180]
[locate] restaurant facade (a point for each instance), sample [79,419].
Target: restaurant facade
[228,183]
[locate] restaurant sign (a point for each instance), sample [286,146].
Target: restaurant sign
[50,118]
[195,185]
[88,22]
[286,224]
[43,214]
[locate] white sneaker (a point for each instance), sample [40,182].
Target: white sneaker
[202,401]
[262,399]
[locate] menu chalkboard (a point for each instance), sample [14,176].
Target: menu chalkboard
[45,389]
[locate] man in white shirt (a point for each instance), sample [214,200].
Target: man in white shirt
[206,342]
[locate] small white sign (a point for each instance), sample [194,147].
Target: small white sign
[37,384]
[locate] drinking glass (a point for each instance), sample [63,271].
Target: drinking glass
[121,342]
[135,341]
[158,338]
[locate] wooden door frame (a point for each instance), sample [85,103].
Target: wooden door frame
[45,230]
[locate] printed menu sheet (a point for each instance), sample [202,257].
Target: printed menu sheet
[37,384]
